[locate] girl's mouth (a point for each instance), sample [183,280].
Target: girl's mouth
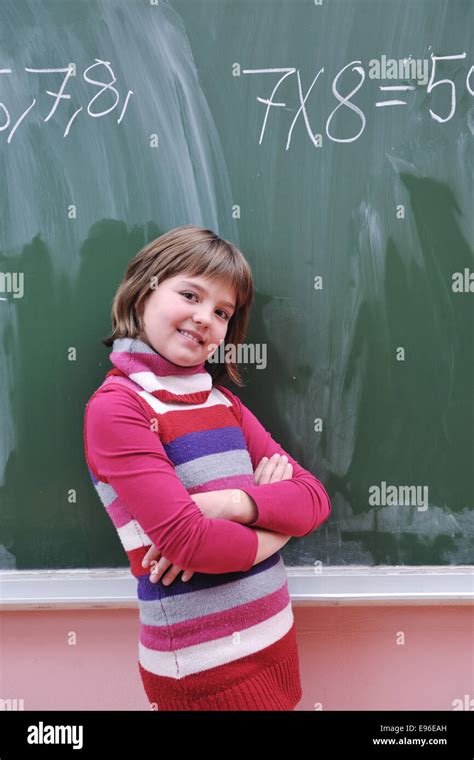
[189,339]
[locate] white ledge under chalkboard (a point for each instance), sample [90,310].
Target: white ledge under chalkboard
[336,585]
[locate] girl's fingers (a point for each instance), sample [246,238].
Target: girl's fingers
[280,468]
[171,575]
[152,554]
[258,470]
[274,468]
[267,469]
[287,472]
[158,568]
[267,472]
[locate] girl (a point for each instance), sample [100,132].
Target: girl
[195,484]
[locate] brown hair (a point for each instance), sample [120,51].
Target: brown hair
[195,251]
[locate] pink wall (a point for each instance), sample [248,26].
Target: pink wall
[350,659]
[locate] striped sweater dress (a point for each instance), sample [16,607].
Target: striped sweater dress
[154,433]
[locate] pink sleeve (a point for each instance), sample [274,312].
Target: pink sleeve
[125,452]
[293,507]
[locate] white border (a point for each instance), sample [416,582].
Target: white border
[336,585]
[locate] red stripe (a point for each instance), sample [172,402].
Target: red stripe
[176,423]
[135,556]
[198,397]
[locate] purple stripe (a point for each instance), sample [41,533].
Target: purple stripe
[93,477]
[148,591]
[191,446]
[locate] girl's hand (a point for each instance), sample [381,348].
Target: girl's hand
[273,470]
[158,568]
[209,508]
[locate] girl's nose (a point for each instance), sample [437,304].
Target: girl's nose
[202,316]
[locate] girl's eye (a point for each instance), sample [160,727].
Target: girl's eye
[188,293]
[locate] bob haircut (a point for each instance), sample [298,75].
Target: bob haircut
[185,250]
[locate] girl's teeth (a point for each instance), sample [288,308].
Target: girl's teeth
[187,335]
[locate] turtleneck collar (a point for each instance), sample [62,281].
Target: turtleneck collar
[167,381]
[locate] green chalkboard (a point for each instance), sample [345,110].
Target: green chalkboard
[273,124]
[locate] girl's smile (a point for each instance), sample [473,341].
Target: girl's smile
[192,338]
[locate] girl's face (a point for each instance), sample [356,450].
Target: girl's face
[186,303]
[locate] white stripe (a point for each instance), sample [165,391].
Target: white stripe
[215,397]
[210,654]
[133,536]
[178,384]
[106,493]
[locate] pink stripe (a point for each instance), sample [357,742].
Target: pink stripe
[208,628]
[119,513]
[136,362]
[233,481]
